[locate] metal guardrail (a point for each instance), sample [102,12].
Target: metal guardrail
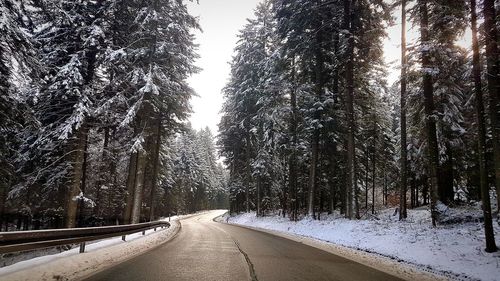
[17,241]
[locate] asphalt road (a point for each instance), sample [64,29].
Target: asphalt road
[206,250]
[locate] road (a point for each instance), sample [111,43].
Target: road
[207,250]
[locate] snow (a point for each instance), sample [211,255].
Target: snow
[453,250]
[71,265]
[86,200]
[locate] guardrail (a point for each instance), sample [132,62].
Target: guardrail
[17,241]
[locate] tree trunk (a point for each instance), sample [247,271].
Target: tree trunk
[77,183]
[3,198]
[321,201]
[412,190]
[101,180]
[129,201]
[312,174]
[258,191]
[445,180]
[493,86]
[336,76]
[116,191]
[351,181]
[81,202]
[333,198]
[417,203]
[367,168]
[79,179]
[425,189]
[317,116]
[292,162]
[336,94]
[156,164]
[404,156]
[374,162]
[138,190]
[292,181]
[77,156]
[249,174]
[476,68]
[384,196]
[430,114]
[285,193]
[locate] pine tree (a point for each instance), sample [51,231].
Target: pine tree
[430,118]
[492,68]
[65,101]
[159,36]
[6,114]
[404,146]
[15,48]
[246,96]
[488,227]
[300,87]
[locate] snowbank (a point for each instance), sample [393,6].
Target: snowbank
[455,250]
[71,265]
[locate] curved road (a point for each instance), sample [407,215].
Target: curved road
[206,250]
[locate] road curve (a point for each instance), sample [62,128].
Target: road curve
[206,250]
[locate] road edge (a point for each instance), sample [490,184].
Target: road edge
[175,231]
[81,266]
[385,264]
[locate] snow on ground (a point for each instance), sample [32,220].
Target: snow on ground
[456,250]
[70,265]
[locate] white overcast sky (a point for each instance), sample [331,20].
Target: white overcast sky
[221,21]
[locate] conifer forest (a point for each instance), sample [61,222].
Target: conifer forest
[95,113]
[310,124]
[94,103]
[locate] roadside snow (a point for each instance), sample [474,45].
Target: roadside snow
[70,265]
[456,250]
[13,258]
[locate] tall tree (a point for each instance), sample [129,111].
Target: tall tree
[71,36]
[483,170]
[493,71]
[247,123]
[160,38]
[430,114]
[404,146]
[352,185]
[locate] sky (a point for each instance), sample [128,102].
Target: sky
[221,21]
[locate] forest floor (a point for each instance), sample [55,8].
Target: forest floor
[454,249]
